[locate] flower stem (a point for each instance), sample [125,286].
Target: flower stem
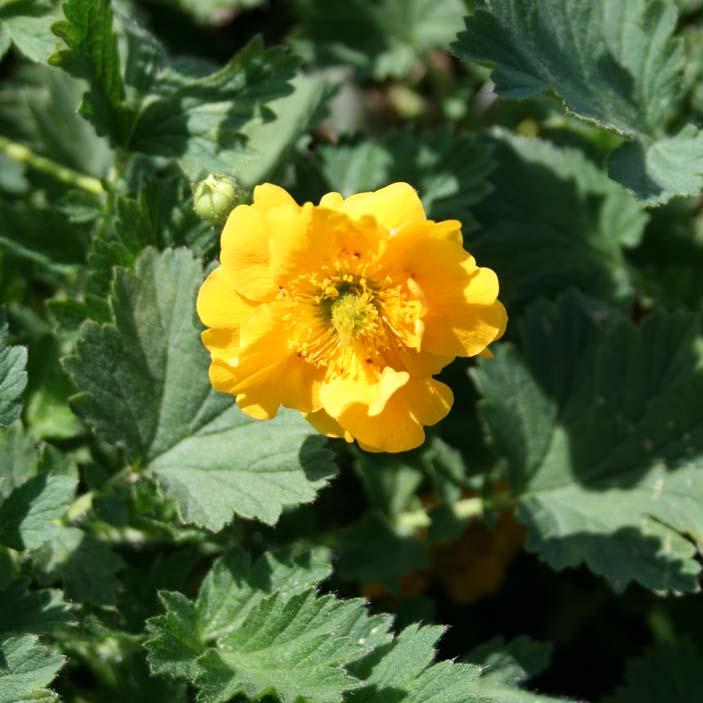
[21,153]
[464,509]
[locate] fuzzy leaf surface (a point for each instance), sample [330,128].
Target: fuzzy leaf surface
[24,611]
[288,647]
[29,513]
[613,63]
[25,669]
[13,377]
[91,53]
[569,221]
[145,386]
[600,424]
[232,587]
[196,117]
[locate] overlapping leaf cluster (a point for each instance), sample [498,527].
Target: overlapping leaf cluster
[156,544]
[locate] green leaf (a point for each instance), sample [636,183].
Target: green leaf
[43,236]
[450,173]
[48,413]
[92,54]
[403,672]
[230,590]
[145,386]
[600,425]
[161,216]
[25,668]
[38,108]
[196,118]
[270,140]
[85,565]
[26,24]
[505,667]
[373,551]
[512,663]
[28,514]
[578,49]
[13,377]
[666,672]
[383,39]
[552,204]
[19,459]
[288,647]
[23,611]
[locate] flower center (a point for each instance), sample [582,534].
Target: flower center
[354,315]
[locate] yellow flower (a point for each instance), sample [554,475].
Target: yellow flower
[344,311]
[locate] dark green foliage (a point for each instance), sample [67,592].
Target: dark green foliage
[158,545]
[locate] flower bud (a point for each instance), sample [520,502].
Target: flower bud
[215,197]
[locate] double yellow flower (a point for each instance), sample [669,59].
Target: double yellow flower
[345,311]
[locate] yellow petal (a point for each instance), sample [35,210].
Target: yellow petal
[462,314]
[370,389]
[222,376]
[422,363]
[469,330]
[245,254]
[327,425]
[268,373]
[333,201]
[268,196]
[399,427]
[302,240]
[222,344]
[219,304]
[393,207]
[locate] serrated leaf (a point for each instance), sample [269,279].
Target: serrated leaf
[599,422]
[402,671]
[196,118]
[450,173]
[383,39]
[553,205]
[230,590]
[145,386]
[613,63]
[13,377]
[92,54]
[287,647]
[85,565]
[27,25]
[25,669]
[666,672]
[23,611]
[29,513]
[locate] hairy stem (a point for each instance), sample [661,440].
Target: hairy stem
[21,153]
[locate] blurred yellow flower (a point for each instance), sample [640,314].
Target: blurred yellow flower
[344,311]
